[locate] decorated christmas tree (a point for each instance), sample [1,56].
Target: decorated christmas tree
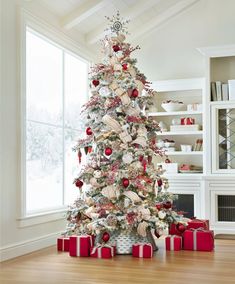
[121,192]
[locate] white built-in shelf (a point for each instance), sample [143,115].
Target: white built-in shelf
[170,133]
[222,102]
[181,153]
[174,113]
[183,174]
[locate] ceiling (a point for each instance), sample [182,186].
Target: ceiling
[87,17]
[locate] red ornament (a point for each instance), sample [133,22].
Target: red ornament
[79,183]
[159,182]
[88,131]
[167,205]
[125,182]
[135,93]
[157,234]
[108,151]
[141,157]
[79,156]
[116,48]
[124,66]
[180,227]
[105,237]
[95,82]
[159,206]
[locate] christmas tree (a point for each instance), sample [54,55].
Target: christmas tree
[120,189]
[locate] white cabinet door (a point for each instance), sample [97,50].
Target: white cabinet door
[223,137]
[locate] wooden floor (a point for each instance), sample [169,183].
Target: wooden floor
[49,266]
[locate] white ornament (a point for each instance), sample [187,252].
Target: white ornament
[104,91]
[127,158]
[161,214]
[117,67]
[97,174]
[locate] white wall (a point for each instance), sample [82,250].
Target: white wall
[170,51]
[16,239]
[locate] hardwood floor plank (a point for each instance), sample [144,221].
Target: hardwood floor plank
[50,266]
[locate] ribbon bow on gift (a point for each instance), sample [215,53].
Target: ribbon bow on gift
[141,248]
[99,247]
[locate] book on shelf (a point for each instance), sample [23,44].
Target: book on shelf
[213,92]
[218,85]
[224,92]
[231,89]
[198,145]
[220,91]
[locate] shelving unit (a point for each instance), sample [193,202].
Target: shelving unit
[219,179]
[188,91]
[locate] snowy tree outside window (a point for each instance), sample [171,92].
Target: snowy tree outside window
[56,88]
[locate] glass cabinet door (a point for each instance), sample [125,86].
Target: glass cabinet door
[223,138]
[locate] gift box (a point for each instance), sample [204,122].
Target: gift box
[142,250]
[173,230]
[187,121]
[198,223]
[80,245]
[199,239]
[103,251]
[63,244]
[173,242]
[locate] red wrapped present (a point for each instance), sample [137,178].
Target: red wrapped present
[187,121]
[63,244]
[198,223]
[199,239]
[80,245]
[173,242]
[174,231]
[142,250]
[103,251]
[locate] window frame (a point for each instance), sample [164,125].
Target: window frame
[66,44]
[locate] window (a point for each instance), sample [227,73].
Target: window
[56,88]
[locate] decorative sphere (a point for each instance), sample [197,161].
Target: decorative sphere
[127,158]
[167,205]
[95,82]
[180,227]
[88,131]
[159,206]
[124,66]
[116,48]
[135,93]
[141,157]
[125,182]
[105,237]
[108,151]
[159,182]
[79,183]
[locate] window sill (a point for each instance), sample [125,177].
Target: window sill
[41,218]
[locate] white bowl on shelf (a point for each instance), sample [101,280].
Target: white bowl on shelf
[172,106]
[169,144]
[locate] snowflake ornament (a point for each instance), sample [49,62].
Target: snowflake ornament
[117,24]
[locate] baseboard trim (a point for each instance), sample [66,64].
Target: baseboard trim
[19,249]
